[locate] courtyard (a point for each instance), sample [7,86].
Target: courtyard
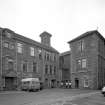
[53,97]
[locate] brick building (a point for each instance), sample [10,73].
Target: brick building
[21,57]
[88,60]
[64,60]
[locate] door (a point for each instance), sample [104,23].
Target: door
[9,83]
[76,83]
[53,83]
[46,83]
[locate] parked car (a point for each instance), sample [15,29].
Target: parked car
[103,91]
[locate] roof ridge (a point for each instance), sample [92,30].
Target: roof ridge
[31,41]
[84,35]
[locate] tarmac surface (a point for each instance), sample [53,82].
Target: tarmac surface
[53,97]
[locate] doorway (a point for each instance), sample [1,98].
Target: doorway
[53,83]
[10,83]
[46,83]
[76,83]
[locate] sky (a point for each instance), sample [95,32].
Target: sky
[64,19]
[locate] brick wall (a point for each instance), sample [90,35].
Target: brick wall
[90,53]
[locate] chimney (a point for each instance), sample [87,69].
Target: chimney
[45,38]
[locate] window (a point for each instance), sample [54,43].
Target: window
[35,51]
[86,82]
[6,44]
[51,56]
[8,34]
[10,65]
[11,46]
[34,67]
[24,66]
[79,63]
[83,63]
[48,57]
[54,70]
[54,57]
[46,69]
[32,51]
[50,69]
[45,56]
[81,45]
[19,47]
[40,53]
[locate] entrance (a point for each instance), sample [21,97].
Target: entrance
[53,83]
[76,83]
[46,83]
[10,83]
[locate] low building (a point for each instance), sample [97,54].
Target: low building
[64,60]
[88,60]
[21,57]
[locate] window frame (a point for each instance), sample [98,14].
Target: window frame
[79,63]
[10,61]
[40,53]
[86,82]
[55,70]
[6,44]
[11,46]
[25,62]
[19,47]
[81,45]
[34,70]
[84,63]
[32,51]
[46,69]
[51,69]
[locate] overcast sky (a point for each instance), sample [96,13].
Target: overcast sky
[64,19]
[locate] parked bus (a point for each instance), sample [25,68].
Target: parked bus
[31,84]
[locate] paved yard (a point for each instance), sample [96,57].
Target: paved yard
[96,99]
[52,97]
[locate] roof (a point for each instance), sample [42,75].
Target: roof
[30,79]
[86,34]
[65,53]
[45,33]
[30,41]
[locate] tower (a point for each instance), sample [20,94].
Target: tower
[45,38]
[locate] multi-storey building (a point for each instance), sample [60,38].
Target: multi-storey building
[21,57]
[88,60]
[64,65]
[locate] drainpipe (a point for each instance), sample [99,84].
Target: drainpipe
[16,64]
[1,60]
